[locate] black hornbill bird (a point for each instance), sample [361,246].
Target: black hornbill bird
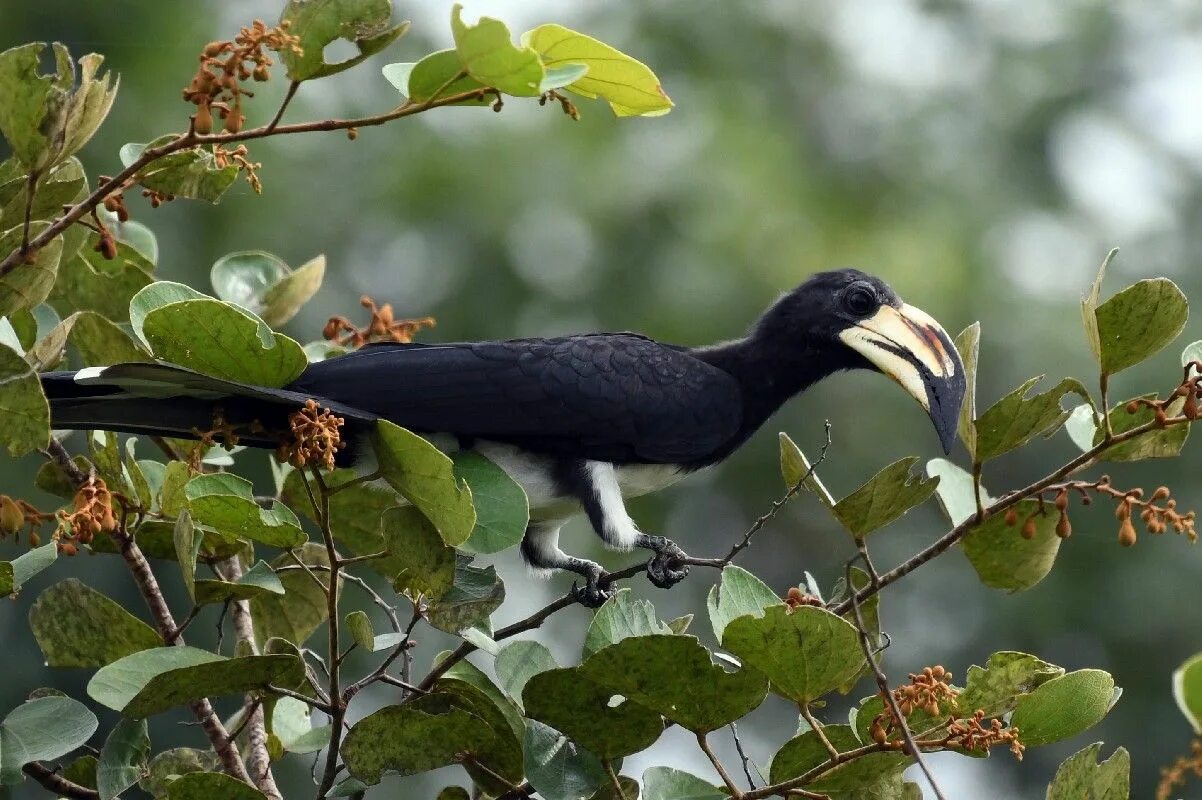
[581,422]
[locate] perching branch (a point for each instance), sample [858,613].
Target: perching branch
[53,782]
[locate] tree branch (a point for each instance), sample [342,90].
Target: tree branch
[53,782]
[704,744]
[258,761]
[957,533]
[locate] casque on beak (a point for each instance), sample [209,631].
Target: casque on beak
[910,347]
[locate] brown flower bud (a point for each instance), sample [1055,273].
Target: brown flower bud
[67,548]
[1029,527]
[352,133]
[35,540]
[1132,407]
[1063,528]
[1062,499]
[213,49]
[1127,533]
[1011,517]
[203,119]
[11,517]
[1161,493]
[234,120]
[260,74]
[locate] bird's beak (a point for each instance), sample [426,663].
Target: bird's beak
[913,349]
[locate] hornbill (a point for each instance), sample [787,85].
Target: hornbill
[581,422]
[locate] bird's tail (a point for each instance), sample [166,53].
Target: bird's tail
[157,399]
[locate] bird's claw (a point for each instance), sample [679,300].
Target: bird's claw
[593,594]
[666,568]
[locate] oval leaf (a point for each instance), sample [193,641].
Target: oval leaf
[887,496]
[1003,558]
[426,478]
[1139,322]
[1064,707]
[502,510]
[77,626]
[1082,776]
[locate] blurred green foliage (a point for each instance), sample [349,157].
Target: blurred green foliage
[980,156]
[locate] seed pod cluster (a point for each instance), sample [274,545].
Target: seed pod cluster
[382,327]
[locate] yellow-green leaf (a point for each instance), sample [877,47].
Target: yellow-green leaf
[487,53]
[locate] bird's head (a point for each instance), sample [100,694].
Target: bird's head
[862,323]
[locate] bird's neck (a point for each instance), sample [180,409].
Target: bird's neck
[769,373]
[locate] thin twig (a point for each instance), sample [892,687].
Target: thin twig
[408,687]
[279,114]
[31,189]
[190,139]
[816,726]
[321,706]
[183,626]
[734,732]
[247,711]
[882,682]
[613,777]
[767,517]
[704,744]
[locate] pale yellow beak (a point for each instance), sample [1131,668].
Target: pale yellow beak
[913,349]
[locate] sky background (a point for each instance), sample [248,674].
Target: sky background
[980,156]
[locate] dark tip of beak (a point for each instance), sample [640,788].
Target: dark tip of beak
[945,396]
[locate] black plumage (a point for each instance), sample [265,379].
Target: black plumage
[595,417]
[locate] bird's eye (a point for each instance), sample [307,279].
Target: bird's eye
[860,301]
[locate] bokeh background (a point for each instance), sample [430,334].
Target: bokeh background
[980,156]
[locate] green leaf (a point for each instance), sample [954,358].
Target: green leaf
[139,237]
[208,785]
[1139,322]
[886,497]
[82,771]
[501,754]
[77,626]
[1187,691]
[1081,776]
[630,87]
[502,509]
[30,563]
[89,282]
[257,581]
[665,783]
[99,342]
[433,77]
[628,789]
[226,502]
[955,490]
[124,758]
[60,186]
[487,53]
[806,653]
[169,765]
[968,345]
[475,594]
[291,723]
[30,282]
[223,341]
[557,767]
[359,624]
[1018,418]
[621,617]
[1006,676]
[365,23]
[264,285]
[23,406]
[739,593]
[676,677]
[424,734]
[805,751]
[558,77]
[1161,443]
[794,466]
[191,173]
[7,581]
[188,539]
[1089,307]
[518,662]
[593,715]
[42,730]
[418,561]
[152,681]
[49,118]
[1064,706]
[425,477]
[1003,558]
[302,608]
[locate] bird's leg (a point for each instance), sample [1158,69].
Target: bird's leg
[666,568]
[540,549]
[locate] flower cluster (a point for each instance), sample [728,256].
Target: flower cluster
[796,598]
[1175,775]
[925,691]
[224,65]
[974,735]
[383,327]
[315,438]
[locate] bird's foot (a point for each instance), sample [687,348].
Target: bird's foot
[596,590]
[667,567]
